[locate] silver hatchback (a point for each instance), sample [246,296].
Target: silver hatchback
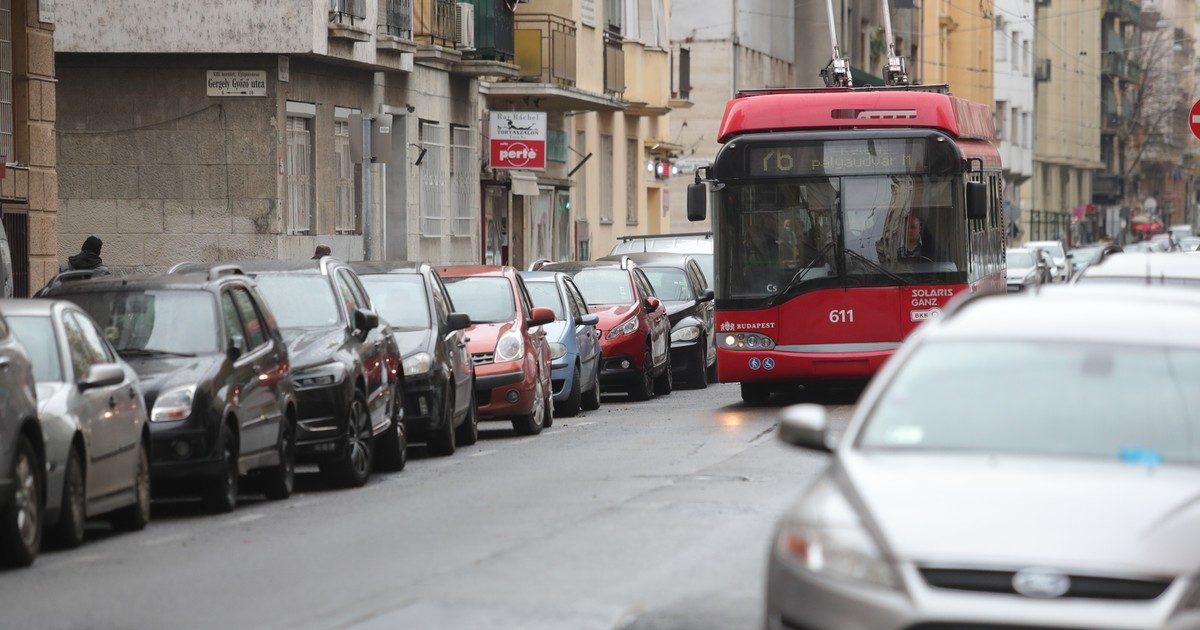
[960,498]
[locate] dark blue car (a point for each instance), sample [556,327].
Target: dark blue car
[574,341]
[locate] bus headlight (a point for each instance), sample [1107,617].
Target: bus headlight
[687,333]
[746,341]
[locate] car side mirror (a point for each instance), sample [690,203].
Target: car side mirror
[458,321]
[977,198]
[805,426]
[102,375]
[365,321]
[707,295]
[237,347]
[651,303]
[590,319]
[541,316]
[697,202]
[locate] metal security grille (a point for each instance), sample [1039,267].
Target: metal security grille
[434,178]
[398,16]
[347,180]
[607,165]
[464,182]
[632,161]
[356,9]
[16,224]
[6,82]
[299,175]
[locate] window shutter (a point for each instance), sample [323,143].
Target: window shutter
[588,12]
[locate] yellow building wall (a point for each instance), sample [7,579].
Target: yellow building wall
[956,47]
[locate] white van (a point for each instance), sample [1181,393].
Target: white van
[6,268]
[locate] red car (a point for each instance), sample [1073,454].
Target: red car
[507,345]
[635,333]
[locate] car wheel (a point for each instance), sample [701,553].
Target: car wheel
[135,517]
[468,431]
[68,532]
[591,400]
[21,529]
[665,383]
[220,494]
[445,442]
[569,408]
[712,372]
[278,482]
[391,453]
[533,423]
[644,388]
[698,375]
[352,466]
[756,393]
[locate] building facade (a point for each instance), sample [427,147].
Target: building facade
[1013,90]
[228,129]
[29,185]
[956,47]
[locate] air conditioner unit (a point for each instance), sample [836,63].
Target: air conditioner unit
[1042,70]
[464,22]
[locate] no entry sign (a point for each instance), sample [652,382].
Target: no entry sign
[1194,119]
[518,140]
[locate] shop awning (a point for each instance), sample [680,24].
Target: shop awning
[524,183]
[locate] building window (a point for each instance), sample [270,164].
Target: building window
[1000,45]
[464,179]
[556,145]
[434,178]
[6,82]
[998,116]
[1015,134]
[632,168]
[587,12]
[1027,141]
[1016,51]
[398,16]
[1028,62]
[347,182]
[614,15]
[607,165]
[300,175]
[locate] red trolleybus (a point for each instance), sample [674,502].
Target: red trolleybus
[842,219]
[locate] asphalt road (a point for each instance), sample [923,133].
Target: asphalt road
[639,515]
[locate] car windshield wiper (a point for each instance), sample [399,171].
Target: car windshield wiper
[878,267]
[809,267]
[152,352]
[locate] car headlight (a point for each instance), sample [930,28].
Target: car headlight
[824,535]
[557,350]
[746,341]
[627,327]
[173,404]
[419,363]
[320,376]
[687,333]
[510,347]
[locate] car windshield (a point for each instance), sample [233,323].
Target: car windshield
[300,300]
[1125,402]
[400,299]
[670,284]
[1020,260]
[487,299]
[604,286]
[546,294]
[170,321]
[36,334]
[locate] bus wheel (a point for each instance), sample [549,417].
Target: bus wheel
[756,393]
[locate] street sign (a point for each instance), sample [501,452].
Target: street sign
[1194,119]
[237,82]
[518,140]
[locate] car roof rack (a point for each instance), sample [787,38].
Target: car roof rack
[65,277]
[538,264]
[186,267]
[641,237]
[217,271]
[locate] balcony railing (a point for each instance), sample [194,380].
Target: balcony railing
[545,48]
[398,18]
[614,64]
[1118,65]
[347,10]
[493,30]
[1125,9]
[433,23]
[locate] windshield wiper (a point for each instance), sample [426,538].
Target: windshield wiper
[878,267]
[152,352]
[809,267]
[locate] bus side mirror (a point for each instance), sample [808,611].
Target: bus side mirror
[697,201]
[977,198]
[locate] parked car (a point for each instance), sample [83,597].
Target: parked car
[1165,242]
[678,281]
[697,244]
[1061,268]
[1044,510]
[97,442]
[1144,269]
[6,265]
[439,378]
[1146,247]
[508,345]
[1181,231]
[1189,244]
[1080,257]
[635,333]
[1026,268]
[346,367]
[214,374]
[22,466]
[574,341]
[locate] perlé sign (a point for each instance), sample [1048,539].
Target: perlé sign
[237,82]
[518,140]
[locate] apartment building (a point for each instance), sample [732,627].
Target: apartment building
[1013,93]
[956,47]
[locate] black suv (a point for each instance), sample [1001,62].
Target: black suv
[214,371]
[439,377]
[345,365]
[22,459]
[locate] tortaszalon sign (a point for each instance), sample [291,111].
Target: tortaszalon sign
[237,82]
[518,140]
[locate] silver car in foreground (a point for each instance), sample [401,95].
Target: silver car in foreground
[93,419]
[957,499]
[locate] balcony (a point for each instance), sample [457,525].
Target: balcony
[491,52]
[1126,10]
[395,34]
[434,31]
[614,64]
[348,20]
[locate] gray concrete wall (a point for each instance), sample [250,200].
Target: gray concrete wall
[765,26]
